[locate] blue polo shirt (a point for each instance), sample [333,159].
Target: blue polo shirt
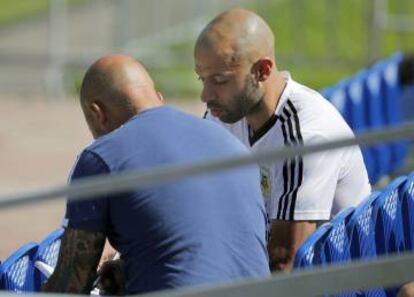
[200,230]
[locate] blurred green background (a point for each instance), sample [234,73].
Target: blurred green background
[319,41]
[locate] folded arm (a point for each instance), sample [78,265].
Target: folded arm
[285,239]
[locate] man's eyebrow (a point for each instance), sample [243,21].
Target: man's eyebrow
[221,73]
[224,68]
[226,72]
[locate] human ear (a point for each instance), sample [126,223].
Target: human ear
[98,118]
[98,113]
[263,69]
[160,96]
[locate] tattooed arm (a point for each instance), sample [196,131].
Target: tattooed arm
[79,256]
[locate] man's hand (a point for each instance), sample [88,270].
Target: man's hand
[285,239]
[108,254]
[112,281]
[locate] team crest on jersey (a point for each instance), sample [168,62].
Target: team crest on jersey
[265,182]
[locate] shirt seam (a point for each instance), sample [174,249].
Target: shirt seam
[97,156]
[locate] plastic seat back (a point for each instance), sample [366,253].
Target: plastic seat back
[337,96]
[326,92]
[389,233]
[338,242]
[392,106]
[310,252]
[389,230]
[337,245]
[374,100]
[407,212]
[358,120]
[361,228]
[48,253]
[17,271]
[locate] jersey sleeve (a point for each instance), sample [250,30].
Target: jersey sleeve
[309,184]
[354,185]
[88,214]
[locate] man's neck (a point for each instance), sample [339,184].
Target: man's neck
[267,107]
[143,106]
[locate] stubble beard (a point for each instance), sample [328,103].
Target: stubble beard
[246,102]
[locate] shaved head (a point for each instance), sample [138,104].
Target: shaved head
[234,59]
[238,34]
[114,89]
[112,76]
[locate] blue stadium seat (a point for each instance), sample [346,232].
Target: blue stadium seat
[392,106]
[361,227]
[309,254]
[48,253]
[337,244]
[326,92]
[358,122]
[374,100]
[407,212]
[356,104]
[337,96]
[389,233]
[17,271]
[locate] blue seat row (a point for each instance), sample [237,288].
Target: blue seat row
[18,272]
[382,224]
[372,100]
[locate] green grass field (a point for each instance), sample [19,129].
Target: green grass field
[318,41]
[317,46]
[330,46]
[12,11]
[15,10]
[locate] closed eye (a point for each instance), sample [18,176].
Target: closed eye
[220,80]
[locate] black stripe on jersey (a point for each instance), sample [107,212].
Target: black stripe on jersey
[285,189]
[287,200]
[299,158]
[291,188]
[290,125]
[296,117]
[288,173]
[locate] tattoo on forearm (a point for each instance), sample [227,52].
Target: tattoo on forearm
[79,256]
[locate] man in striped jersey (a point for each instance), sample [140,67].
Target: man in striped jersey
[267,109]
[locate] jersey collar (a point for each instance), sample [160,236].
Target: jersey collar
[254,137]
[285,94]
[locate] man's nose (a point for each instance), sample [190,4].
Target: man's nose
[207,95]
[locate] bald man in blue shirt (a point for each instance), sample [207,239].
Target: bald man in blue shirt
[206,229]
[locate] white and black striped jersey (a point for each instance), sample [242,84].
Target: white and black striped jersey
[312,187]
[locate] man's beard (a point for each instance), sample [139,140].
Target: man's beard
[244,102]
